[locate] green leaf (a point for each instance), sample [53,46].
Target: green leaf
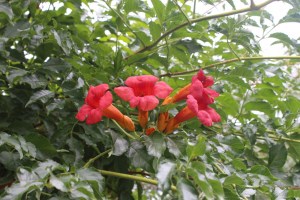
[163,175]
[261,106]
[159,8]
[76,147]
[262,170]
[277,156]
[42,95]
[18,143]
[5,8]
[120,145]
[139,156]
[236,80]
[155,144]
[44,148]
[234,179]
[155,30]
[118,62]
[217,188]
[186,190]
[198,149]
[242,72]
[10,160]
[284,38]
[15,73]
[174,146]
[58,184]
[228,104]
[201,181]
[94,178]
[236,143]
[293,104]
[34,81]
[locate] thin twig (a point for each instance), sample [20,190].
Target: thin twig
[131,177]
[230,61]
[95,158]
[123,131]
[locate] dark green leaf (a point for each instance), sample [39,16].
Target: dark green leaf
[260,106]
[277,156]
[262,170]
[120,145]
[42,95]
[159,8]
[198,149]
[165,170]
[155,144]
[44,148]
[186,190]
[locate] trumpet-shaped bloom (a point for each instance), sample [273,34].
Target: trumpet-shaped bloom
[198,96]
[198,88]
[143,91]
[98,103]
[204,113]
[97,100]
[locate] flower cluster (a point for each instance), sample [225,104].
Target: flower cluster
[143,92]
[198,97]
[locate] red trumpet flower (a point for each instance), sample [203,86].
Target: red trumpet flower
[98,103]
[198,96]
[142,92]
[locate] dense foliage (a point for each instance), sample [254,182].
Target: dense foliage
[53,51]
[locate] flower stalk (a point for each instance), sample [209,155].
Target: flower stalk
[132,177]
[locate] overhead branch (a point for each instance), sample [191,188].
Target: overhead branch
[192,21]
[231,61]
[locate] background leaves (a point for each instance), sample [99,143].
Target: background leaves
[52,51]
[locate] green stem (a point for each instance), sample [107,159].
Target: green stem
[131,177]
[123,131]
[95,158]
[230,61]
[234,12]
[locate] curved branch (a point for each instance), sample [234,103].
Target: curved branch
[230,61]
[234,12]
[131,177]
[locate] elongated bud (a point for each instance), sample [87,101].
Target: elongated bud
[162,121]
[113,113]
[143,118]
[180,95]
[184,115]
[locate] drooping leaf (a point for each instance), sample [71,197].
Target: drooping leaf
[155,144]
[186,190]
[120,145]
[42,95]
[277,156]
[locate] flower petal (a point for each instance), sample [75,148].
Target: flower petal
[83,112]
[100,90]
[213,114]
[148,103]
[94,95]
[162,90]
[125,93]
[209,81]
[105,100]
[134,81]
[204,118]
[94,116]
[196,89]
[192,104]
[134,101]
